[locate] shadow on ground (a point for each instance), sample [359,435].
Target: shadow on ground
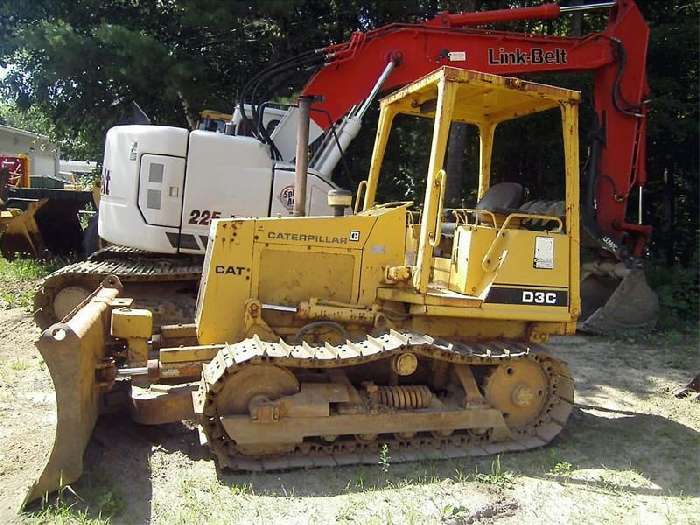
[117,479]
[118,462]
[656,448]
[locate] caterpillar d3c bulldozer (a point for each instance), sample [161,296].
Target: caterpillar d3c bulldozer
[318,340]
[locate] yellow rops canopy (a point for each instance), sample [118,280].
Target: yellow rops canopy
[480,98]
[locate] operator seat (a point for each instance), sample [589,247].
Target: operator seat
[509,197]
[502,198]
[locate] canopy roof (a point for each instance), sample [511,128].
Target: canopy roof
[480,98]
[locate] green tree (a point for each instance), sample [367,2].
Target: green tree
[81,63]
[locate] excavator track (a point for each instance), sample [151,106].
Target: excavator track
[407,446]
[165,284]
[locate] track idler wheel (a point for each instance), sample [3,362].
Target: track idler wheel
[519,390]
[248,389]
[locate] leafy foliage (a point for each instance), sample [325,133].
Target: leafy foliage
[677,288]
[19,280]
[78,65]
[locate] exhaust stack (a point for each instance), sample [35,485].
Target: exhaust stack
[302,156]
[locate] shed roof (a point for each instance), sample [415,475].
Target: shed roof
[24,133]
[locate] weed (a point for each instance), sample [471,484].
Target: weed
[359,482]
[460,476]
[562,469]
[454,513]
[499,477]
[18,365]
[384,458]
[244,489]
[64,514]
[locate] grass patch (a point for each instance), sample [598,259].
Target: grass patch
[19,279]
[68,508]
[496,475]
[563,469]
[18,365]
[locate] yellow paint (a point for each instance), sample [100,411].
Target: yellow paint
[486,134]
[435,190]
[226,281]
[569,114]
[287,282]
[186,354]
[344,269]
[132,322]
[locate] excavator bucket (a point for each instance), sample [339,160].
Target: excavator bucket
[74,351]
[615,300]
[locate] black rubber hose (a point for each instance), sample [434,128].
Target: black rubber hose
[275,68]
[618,98]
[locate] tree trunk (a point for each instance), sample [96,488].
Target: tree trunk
[454,165]
[191,118]
[577,20]
[667,241]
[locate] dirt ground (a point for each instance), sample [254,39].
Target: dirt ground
[630,454]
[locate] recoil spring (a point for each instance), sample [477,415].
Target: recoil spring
[405,396]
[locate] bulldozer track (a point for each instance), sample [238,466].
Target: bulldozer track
[131,266]
[348,450]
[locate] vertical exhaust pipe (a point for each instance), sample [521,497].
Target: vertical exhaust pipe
[302,157]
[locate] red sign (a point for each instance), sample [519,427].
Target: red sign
[18,168]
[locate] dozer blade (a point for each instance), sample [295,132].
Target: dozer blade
[73,350]
[611,305]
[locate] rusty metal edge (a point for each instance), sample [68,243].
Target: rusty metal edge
[72,349]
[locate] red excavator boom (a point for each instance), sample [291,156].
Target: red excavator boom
[616,56]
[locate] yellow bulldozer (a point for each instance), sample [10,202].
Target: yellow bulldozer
[317,341]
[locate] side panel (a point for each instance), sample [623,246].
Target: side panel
[226,281]
[283,261]
[310,257]
[283,194]
[120,221]
[520,275]
[517,259]
[285,272]
[161,180]
[226,176]
[386,246]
